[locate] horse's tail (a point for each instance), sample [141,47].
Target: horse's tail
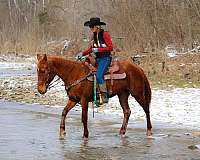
[147,91]
[141,89]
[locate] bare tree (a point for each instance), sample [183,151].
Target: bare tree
[133,24]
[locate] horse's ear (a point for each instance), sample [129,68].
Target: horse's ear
[42,57]
[38,57]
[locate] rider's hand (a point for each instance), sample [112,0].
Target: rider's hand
[95,50]
[93,55]
[79,56]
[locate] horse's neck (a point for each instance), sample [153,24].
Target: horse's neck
[68,71]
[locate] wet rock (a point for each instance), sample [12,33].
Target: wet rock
[6,82]
[193,147]
[187,134]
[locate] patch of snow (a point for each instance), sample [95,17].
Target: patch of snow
[66,43]
[170,51]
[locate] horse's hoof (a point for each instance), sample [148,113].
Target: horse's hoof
[122,135]
[122,132]
[62,135]
[149,133]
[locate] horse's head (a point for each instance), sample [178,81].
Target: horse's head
[45,73]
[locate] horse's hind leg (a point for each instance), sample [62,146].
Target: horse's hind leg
[123,99]
[68,107]
[145,105]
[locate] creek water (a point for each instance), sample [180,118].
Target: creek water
[31,132]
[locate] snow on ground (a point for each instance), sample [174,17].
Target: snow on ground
[178,106]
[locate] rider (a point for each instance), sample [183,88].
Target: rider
[101,46]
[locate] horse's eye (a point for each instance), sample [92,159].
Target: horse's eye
[41,71]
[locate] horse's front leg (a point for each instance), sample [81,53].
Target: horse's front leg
[123,99]
[68,107]
[84,104]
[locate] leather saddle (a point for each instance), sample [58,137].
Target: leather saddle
[115,71]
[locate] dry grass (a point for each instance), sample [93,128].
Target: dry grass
[162,71]
[180,71]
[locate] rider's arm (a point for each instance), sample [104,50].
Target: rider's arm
[87,51]
[108,42]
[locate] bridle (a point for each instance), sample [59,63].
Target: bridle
[57,81]
[47,83]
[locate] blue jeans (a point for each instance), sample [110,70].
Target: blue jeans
[103,64]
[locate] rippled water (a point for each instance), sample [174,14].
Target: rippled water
[31,132]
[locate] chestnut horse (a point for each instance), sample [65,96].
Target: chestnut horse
[135,83]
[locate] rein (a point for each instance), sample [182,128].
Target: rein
[56,82]
[53,84]
[77,81]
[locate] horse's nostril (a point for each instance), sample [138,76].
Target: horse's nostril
[42,89]
[41,92]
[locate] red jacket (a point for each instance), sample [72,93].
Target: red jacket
[108,43]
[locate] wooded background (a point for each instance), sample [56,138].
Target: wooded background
[143,25]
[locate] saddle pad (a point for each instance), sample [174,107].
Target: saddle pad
[115,76]
[108,76]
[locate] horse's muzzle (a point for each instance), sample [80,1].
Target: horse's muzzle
[42,89]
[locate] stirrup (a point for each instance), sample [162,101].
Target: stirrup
[103,98]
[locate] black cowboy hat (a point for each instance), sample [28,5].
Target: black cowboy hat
[95,21]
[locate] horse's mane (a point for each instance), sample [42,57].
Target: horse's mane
[62,59]
[70,63]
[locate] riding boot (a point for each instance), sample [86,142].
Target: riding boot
[103,97]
